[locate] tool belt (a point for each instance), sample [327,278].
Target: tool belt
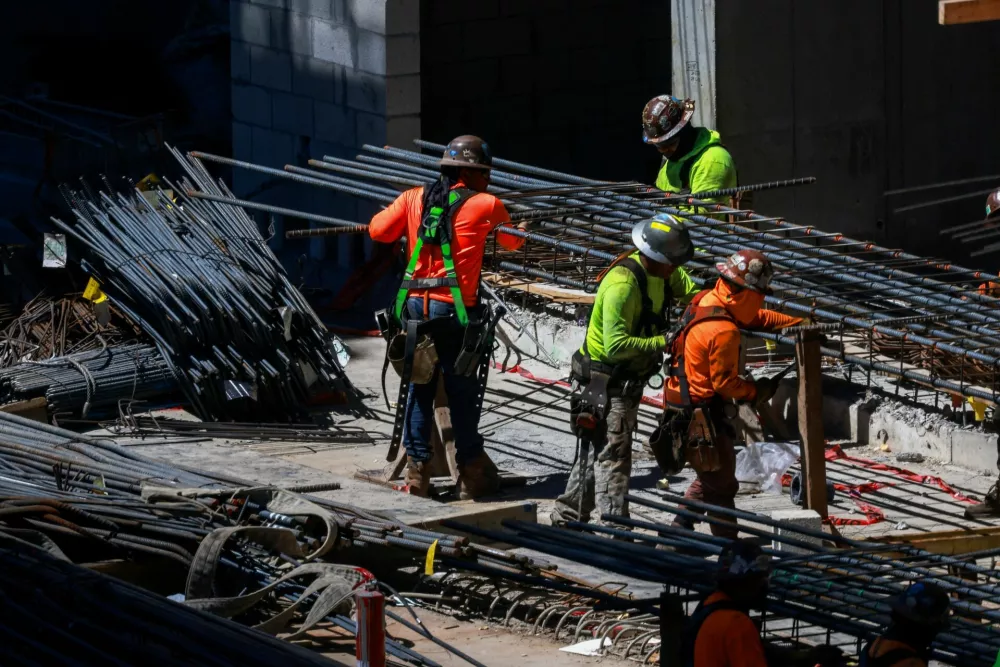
[594,385]
[687,435]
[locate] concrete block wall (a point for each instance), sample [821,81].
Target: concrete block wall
[559,84]
[313,78]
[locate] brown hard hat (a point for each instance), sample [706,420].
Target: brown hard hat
[467,151]
[748,268]
[664,116]
[993,205]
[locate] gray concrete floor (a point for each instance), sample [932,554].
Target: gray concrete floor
[526,430]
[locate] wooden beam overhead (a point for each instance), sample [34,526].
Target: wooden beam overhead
[954,12]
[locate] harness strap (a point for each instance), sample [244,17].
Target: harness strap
[694,314]
[436,229]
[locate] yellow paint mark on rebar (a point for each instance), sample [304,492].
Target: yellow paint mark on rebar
[429,561]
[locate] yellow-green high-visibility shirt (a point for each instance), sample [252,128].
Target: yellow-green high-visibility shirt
[713,167]
[614,320]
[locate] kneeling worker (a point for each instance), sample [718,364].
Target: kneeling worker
[703,378]
[446,225]
[623,349]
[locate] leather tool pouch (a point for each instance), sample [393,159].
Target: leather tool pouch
[425,357]
[700,449]
[474,344]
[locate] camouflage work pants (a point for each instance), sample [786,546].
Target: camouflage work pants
[599,478]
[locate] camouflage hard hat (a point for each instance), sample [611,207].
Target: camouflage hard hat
[664,116]
[467,151]
[748,268]
[993,205]
[664,239]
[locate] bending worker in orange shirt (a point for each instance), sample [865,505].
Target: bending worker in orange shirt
[703,377]
[720,633]
[446,225]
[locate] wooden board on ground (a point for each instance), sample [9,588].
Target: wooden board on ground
[950,542]
[33,408]
[552,292]
[488,516]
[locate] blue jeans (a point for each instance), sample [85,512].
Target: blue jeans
[462,391]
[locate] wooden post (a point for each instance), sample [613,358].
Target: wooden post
[808,355]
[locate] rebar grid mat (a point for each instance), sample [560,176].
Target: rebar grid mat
[580,226]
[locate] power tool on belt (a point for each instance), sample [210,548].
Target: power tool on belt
[411,348]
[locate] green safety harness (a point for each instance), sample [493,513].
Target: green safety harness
[435,230]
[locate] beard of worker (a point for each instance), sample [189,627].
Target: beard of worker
[743,304]
[680,145]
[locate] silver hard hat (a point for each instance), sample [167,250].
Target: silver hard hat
[664,239]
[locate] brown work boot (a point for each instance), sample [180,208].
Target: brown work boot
[990,507]
[477,478]
[418,478]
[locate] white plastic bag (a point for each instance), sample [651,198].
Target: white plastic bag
[765,462]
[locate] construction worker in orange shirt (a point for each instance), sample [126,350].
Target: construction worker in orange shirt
[720,633]
[437,325]
[703,383]
[918,616]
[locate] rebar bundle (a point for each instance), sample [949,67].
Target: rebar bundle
[199,280]
[76,383]
[876,297]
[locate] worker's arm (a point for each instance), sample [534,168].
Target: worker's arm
[723,363]
[389,224]
[771,320]
[743,645]
[682,287]
[617,318]
[497,217]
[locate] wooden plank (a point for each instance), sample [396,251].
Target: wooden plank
[949,542]
[33,408]
[552,292]
[957,12]
[809,356]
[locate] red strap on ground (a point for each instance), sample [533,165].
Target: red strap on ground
[835,453]
[872,514]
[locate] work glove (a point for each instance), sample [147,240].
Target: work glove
[765,391]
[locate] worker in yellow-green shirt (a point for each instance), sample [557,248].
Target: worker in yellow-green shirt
[623,350]
[694,159]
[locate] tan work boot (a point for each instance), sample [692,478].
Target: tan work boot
[418,478]
[478,478]
[990,507]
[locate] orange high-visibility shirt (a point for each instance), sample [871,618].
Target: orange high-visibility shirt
[728,638]
[712,355]
[479,215]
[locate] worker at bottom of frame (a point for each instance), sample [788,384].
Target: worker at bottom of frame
[991,288]
[694,158]
[721,633]
[623,349]
[700,422]
[446,225]
[917,616]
